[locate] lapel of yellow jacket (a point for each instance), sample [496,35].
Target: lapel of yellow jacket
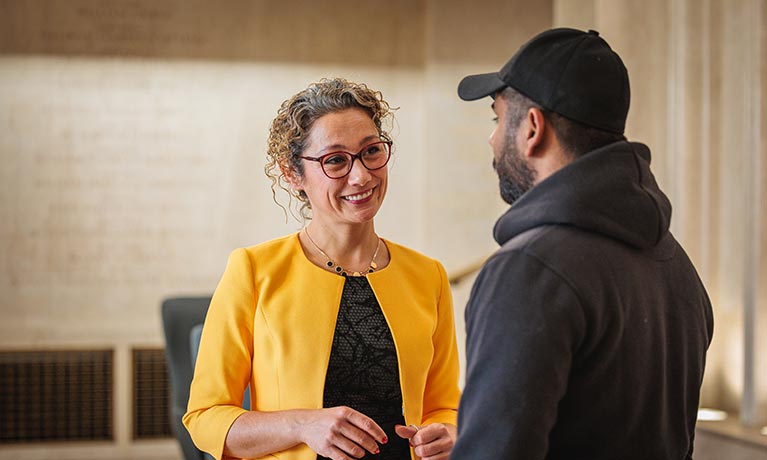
[294,326]
[409,308]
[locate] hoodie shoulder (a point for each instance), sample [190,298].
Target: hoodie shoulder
[610,191]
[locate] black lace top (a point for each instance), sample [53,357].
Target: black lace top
[363,370]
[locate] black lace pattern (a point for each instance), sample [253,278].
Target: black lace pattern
[363,371]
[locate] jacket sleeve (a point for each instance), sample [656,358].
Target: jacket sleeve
[441,394]
[523,324]
[223,367]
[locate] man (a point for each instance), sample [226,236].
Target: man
[587,331]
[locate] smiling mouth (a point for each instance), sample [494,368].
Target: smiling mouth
[359,196]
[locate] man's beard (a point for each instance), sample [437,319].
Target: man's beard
[514,175]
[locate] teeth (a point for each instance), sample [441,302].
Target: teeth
[361,196]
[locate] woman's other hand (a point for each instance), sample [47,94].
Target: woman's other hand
[430,442]
[340,433]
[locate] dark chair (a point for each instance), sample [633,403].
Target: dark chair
[194,344]
[179,316]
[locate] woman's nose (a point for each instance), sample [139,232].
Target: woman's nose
[359,175]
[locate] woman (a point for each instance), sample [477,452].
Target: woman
[346,340]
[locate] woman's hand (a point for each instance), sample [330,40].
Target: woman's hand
[430,442]
[340,433]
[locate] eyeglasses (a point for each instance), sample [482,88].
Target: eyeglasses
[338,164]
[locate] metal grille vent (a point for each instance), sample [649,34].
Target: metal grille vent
[56,395]
[151,394]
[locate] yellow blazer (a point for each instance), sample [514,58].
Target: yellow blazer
[271,324]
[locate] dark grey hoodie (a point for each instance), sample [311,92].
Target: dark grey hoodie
[587,331]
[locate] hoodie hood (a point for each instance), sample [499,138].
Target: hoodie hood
[610,191]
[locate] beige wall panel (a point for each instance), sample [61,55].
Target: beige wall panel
[711,134]
[760,368]
[735,149]
[687,84]
[714,382]
[462,197]
[693,155]
[578,14]
[484,32]
[638,31]
[754,398]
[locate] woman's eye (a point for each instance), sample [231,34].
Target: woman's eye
[373,149]
[495,120]
[335,160]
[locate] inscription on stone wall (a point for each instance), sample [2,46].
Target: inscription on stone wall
[120,27]
[339,31]
[110,188]
[124,182]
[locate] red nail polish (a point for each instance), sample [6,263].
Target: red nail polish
[385,440]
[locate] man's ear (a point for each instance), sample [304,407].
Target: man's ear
[534,130]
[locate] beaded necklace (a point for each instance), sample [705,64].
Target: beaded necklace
[339,269]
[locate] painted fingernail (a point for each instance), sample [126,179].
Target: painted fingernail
[385,440]
[377,451]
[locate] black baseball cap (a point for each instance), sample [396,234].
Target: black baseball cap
[567,71]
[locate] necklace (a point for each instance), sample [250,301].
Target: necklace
[339,269]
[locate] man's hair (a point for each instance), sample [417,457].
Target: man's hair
[576,138]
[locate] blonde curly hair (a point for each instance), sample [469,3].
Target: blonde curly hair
[289,132]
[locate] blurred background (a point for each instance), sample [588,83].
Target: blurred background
[132,140]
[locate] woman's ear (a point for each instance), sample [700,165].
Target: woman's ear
[294,180]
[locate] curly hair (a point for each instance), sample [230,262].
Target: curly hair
[289,132]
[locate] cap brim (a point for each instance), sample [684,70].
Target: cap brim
[476,87]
